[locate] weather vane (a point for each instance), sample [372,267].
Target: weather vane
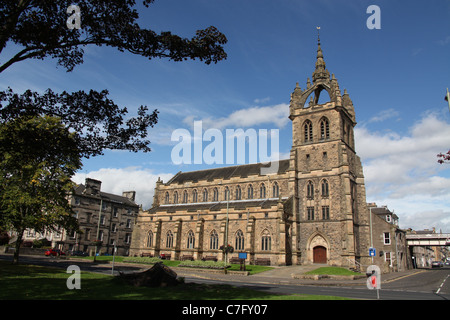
[318,34]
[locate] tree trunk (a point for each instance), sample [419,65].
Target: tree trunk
[18,243]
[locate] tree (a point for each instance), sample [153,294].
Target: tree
[38,157]
[444,157]
[34,176]
[98,121]
[39,29]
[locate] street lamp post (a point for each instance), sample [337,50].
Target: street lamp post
[447,97]
[98,228]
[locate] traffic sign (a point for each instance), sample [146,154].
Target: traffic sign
[372,252]
[374,278]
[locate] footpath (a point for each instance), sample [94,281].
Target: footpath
[292,275]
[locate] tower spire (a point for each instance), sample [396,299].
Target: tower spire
[320,72]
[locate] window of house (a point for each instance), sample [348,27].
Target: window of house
[205,195]
[216,195]
[175,197]
[387,238]
[388,258]
[194,196]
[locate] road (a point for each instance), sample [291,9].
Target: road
[360,292]
[430,284]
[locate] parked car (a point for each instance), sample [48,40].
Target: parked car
[78,253]
[436,264]
[54,252]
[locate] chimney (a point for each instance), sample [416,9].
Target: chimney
[93,187]
[129,194]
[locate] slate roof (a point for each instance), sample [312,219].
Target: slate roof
[224,173]
[79,191]
[215,206]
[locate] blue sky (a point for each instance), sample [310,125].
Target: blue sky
[396,77]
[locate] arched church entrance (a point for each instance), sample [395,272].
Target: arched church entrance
[319,254]
[318,249]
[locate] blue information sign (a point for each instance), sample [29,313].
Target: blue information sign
[371,252]
[242,255]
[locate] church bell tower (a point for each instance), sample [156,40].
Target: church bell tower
[330,215]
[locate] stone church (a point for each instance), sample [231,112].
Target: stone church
[312,210]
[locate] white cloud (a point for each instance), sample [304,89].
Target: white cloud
[384,115]
[250,117]
[117,180]
[401,171]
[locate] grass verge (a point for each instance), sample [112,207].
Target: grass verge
[336,271]
[23,282]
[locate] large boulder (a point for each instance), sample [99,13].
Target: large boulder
[157,276]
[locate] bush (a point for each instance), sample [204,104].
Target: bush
[146,260]
[41,243]
[204,264]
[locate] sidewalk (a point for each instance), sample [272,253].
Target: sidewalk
[290,275]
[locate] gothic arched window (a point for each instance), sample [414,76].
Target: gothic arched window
[167,199]
[250,192]
[190,240]
[310,190]
[308,131]
[215,195]
[238,193]
[169,239]
[213,240]
[175,197]
[149,239]
[266,241]
[239,241]
[226,193]
[262,191]
[275,190]
[185,196]
[194,196]
[205,195]
[324,129]
[325,190]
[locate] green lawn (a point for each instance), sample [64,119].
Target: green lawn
[35,282]
[333,271]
